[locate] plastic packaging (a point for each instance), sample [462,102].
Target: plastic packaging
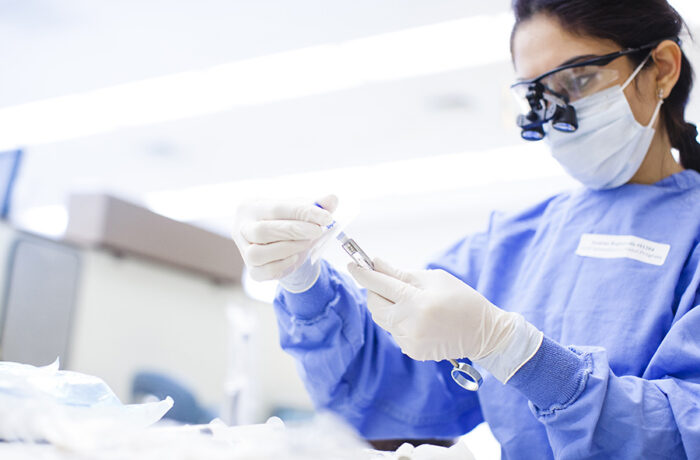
[58,415]
[70,409]
[459,451]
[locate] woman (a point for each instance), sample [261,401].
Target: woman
[590,334]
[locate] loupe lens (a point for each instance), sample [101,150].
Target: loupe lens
[564,127]
[565,119]
[533,134]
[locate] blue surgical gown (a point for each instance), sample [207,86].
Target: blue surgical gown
[617,375]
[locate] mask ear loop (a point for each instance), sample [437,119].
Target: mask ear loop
[636,72]
[658,108]
[660,92]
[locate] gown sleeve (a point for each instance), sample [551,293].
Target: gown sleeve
[354,368]
[589,412]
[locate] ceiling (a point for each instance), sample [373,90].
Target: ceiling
[58,47]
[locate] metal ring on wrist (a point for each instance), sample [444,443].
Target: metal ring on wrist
[466,376]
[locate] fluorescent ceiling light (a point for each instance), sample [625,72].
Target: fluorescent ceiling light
[440,173]
[463,43]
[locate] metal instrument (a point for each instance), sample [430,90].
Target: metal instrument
[465,375]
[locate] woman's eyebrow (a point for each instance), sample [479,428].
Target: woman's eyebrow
[576,59]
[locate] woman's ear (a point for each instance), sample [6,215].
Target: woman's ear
[667,57]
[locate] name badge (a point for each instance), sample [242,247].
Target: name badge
[622,246]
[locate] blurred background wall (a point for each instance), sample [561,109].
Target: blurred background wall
[186,108]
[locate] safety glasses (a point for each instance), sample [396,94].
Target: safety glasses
[548,97]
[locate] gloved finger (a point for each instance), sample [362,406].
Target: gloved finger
[241,243]
[386,313]
[383,266]
[271,231]
[257,255]
[273,270]
[408,346]
[375,301]
[377,306]
[295,211]
[416,353]
[382,322]
[329,203]
[386,286]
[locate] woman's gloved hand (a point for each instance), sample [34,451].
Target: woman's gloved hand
[433,315]
[274,238]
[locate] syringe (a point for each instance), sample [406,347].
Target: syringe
[351,247]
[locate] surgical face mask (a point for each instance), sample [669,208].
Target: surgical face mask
[609,146]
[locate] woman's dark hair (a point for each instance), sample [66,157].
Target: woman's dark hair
[630,23]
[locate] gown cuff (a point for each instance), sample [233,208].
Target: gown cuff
[313,301]
[553,378]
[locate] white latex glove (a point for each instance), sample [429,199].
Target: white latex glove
[433,315]
[274,238]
